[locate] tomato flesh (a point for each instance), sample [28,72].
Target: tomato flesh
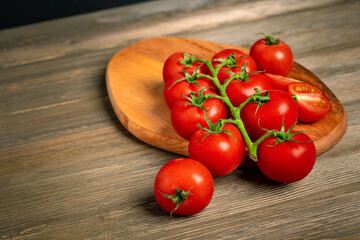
[312,103]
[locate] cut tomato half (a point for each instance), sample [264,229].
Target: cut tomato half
[312,103]
[280,82]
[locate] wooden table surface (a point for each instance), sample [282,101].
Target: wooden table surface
[70,170]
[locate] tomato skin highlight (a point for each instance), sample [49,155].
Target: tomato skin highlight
[185,117]
[275,59]
[174,91]
[219,152]
[280,82]
[172,66]
[312,103]
[289,161]
[185,174]
[244,59]
[281,108]
[238,91]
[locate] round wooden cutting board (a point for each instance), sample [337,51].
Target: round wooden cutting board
[135,87]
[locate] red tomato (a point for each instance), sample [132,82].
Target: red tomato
[187,179]
[311,101]
[288,161]
[280,82]
[281,108]
[177,62]
[240,90]
[185,117]
[173,91]
[239,56]
[272,56]
[221,153]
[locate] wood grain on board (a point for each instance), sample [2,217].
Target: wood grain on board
[135,87]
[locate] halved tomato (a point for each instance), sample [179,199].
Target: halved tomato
[312,103]
[280,82]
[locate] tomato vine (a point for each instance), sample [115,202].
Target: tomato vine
[235,111]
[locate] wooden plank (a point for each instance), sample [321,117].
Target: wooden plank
[69,170]
[98,36]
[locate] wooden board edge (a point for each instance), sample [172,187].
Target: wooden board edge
[175,145]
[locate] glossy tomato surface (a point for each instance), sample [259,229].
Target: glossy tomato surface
[275,59]
[174,90]
[281,108]
[312,103]
[280,82]
[175,63]
[289,161]
[185,117]
[188,175]
[240,90]
[221,153]
[242,58]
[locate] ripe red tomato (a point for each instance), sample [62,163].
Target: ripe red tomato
[311,101]
[173,91]
[288,161]
[235,67]
[280,82]
[272,56]
[281,108]
[189,181]
[221,153]
[240,90]
[185,117]
[179,61]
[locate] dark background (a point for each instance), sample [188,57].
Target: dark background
[21,12]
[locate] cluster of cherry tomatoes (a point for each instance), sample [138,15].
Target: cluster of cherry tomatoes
[230,106]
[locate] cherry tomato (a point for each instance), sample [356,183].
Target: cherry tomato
[272,55]
[221,153]
[311,101]
[280,82]
[187,180]
[281,108]
[240,58]
[288,161]
[240,90]
[179,61]
[174,90]
[185,116]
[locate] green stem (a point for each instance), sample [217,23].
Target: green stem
[237,119]
[235,111]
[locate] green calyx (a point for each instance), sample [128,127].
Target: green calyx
[189,78]
[188,60]
[285,136]
[270,40]
[244,76]
[259,99]
[179,197]
[213,128]
[197,99]
[230,61]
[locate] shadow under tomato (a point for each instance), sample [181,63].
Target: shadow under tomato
[151,206]
[255,177]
